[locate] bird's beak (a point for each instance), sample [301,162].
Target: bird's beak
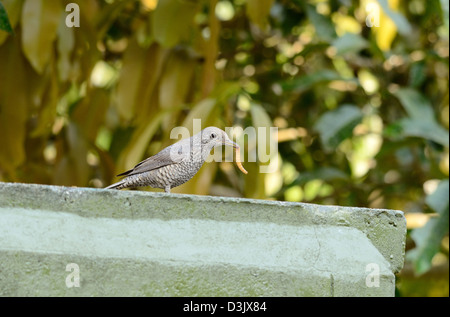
[231,143]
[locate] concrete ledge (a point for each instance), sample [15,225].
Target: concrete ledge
[132,243]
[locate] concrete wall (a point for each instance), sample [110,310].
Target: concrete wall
[62,241]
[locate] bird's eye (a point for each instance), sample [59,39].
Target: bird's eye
[213,135]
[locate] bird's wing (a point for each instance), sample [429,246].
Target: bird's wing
[170,155]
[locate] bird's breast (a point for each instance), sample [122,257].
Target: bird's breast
[179,173]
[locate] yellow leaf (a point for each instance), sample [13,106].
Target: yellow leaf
[386,30]
[258,10]
[40,19]
[261,120]
[138,78]
[90,112]
[13,105]
[260,117]
[47,89]
[66,43]
[65,174]
[168,32]
[135,149]
[174,86]
[149,4]
[254,186]
[204,111]
[386,33]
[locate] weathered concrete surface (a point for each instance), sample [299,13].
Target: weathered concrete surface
[132,243]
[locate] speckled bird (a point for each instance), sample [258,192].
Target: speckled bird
[175,164]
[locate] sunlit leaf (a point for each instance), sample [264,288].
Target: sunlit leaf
[337,125]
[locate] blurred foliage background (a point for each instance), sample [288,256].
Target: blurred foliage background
[357,89]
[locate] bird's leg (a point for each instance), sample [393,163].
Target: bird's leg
[167,189]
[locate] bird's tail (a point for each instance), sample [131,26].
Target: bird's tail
[117,185]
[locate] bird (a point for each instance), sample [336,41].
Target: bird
[177,163]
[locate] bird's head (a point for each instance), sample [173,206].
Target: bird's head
[212,137]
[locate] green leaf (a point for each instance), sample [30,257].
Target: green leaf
[421,122]
[323,24]
[4,20]
[322,173]
[337,125]
[302,83]
[349,43]
[416,105]
[417,74]
[429,130]
[428,238]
